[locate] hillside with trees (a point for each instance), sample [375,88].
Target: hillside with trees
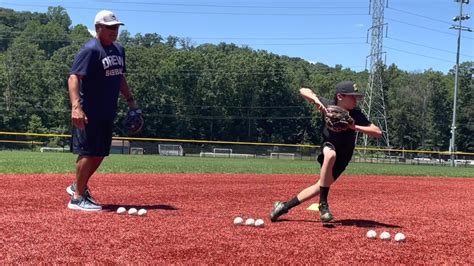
[215,92]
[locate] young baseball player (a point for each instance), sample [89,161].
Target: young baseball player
[337,148]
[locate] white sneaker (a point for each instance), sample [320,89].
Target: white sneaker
[72,188]
[83,204]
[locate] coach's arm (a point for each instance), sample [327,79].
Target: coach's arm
[78,117]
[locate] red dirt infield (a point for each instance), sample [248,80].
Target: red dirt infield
[190,220]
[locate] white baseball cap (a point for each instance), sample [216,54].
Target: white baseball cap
[106,17]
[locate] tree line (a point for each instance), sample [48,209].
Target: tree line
[215,92]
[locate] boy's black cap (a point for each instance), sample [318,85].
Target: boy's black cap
[348,88]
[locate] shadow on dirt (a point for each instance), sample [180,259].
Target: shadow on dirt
[114,207]
[346,222]
[363,223]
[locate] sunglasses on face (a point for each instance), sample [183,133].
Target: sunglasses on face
[111,27]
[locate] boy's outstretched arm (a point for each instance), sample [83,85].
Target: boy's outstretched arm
[371,130]
[311,97]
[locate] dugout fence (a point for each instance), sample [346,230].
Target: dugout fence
[238,150]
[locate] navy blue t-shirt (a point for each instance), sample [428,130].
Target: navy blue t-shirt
[102,68]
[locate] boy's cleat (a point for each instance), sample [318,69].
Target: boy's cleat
[277,211]
[72,188]
[83,204]
[324,213]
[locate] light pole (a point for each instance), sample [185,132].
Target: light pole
[459,27]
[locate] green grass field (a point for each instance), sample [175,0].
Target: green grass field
[36,162]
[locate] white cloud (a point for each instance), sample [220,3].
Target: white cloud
[359,25]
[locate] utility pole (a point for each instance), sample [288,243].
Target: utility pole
[459,28]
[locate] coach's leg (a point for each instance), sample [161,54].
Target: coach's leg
[85,167]
[93,169]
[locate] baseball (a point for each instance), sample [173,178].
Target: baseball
[259,223]
[238,221]
[385,236]
[371,234]
[121,210]
[142,212]
[250,221]
[399,237]
[132,211]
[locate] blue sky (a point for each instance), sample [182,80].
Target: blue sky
[418,35]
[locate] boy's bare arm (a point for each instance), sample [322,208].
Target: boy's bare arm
[371,130]
[311,97]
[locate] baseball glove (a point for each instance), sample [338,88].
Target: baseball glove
[337,118]
[133,122]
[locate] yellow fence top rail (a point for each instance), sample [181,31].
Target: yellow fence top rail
[232,142]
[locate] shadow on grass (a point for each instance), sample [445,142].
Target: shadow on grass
[114,207]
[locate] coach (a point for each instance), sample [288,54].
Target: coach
[95,81]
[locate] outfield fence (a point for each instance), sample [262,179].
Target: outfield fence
[245,150]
